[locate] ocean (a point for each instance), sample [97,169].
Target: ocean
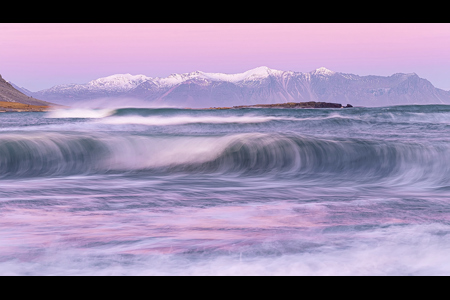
[256,191]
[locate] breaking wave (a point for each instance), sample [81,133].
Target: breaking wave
[155,117]
[173,116]
[358,160]
[80,113]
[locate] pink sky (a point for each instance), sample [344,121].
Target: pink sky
[38,56]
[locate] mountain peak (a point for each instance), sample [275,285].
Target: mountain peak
[125,81]
[405,75]
[116,77]
[263,70]
[255,73]
[322,71]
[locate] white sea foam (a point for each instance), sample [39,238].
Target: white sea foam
[80,113]
[412,250]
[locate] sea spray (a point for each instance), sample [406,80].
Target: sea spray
[80,113]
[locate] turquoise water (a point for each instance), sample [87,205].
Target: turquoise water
[359,191]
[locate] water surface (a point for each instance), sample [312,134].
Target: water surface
[360,191]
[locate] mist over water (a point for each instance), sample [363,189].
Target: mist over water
[167,191]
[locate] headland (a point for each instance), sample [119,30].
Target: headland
[21,107]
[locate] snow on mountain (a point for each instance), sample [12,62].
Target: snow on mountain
[126,82]
[175,79]
[260,85]
[113,83]
[323,71]
[253,74]
[118,82]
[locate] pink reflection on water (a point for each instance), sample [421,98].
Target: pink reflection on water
[166,231]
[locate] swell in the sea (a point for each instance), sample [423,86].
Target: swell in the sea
[356,159]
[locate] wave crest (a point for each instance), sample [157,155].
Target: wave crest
[336,160]
[180,120]
[80,113]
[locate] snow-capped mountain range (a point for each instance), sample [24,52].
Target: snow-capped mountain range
[261,85]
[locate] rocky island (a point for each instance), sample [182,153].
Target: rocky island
[310,104]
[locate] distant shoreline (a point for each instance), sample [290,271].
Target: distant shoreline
[20,107]
[310,104]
